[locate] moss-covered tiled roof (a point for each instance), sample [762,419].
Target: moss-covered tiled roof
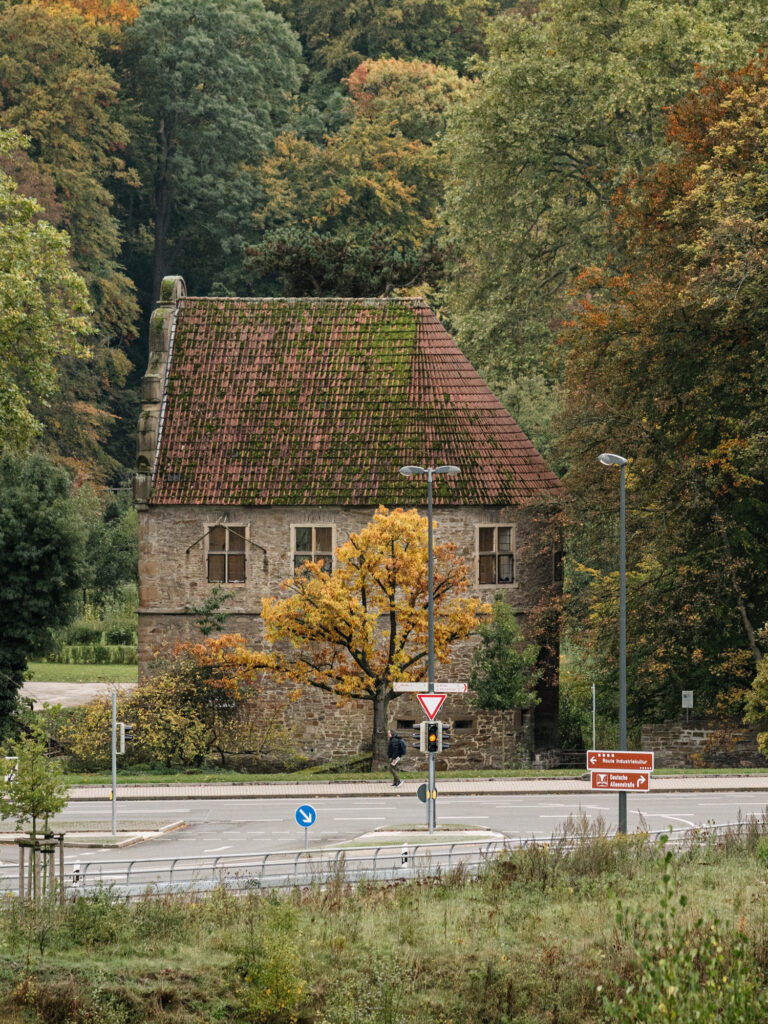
[319,402]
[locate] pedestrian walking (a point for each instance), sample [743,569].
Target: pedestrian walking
[396,751]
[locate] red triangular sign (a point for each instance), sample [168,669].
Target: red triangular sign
[431,702]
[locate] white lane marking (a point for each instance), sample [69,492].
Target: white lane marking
[476,817]
[218,849]
[379,817]
[560,815]
[670,817]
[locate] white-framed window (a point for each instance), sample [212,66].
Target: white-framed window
[311,544]
[226,554]
[495,555]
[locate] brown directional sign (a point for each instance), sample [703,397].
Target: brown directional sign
[636,781]
[625,760]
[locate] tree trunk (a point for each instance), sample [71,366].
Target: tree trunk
[740,603]
[380,739]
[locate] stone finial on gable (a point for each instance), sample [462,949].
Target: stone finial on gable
[172,290]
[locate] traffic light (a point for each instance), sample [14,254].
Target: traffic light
[433,737]
[418,736]
[445,735]
[126,735]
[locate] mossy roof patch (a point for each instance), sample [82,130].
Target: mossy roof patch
[319,402]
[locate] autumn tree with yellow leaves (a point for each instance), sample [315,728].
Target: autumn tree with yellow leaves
[360,628]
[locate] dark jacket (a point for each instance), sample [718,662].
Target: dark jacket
[395,746]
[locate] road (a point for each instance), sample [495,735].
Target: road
[218,826]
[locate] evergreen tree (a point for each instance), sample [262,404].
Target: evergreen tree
[42,564]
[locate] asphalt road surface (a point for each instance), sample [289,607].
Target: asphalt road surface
[256,826]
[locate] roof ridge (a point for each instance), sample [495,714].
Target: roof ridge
[406,300]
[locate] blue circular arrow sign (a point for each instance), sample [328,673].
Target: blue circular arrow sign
[305,815]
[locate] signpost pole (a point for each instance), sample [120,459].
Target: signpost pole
[623,638]
[114,762]
[431,645]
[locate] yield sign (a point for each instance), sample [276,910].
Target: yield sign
[431,702]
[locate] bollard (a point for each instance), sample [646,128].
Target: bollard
[404,854]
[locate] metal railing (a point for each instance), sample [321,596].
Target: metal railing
[298,868]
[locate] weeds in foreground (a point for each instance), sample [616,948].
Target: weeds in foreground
[534,939]
[683,969]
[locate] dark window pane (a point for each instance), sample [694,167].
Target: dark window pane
[237,568]
[326,562]
[323,539]
[506,569]
[557,567]
[505,538]
[217,568]
[304,538]
[217,538]
[487,568]
[487,538]
[237,538]
[299,560]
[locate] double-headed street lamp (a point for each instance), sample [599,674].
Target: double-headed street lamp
[430,473]
[607,459]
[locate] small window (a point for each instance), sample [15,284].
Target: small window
[226,554]
[463,724]
[495,554]
[404,724]
[313,544]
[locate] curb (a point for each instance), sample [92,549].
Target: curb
[446,787]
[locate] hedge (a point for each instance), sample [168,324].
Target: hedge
[98,654]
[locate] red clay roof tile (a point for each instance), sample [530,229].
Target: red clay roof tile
[319,402]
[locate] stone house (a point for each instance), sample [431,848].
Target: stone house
[273,428]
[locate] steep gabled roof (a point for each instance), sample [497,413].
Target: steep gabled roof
[320,401]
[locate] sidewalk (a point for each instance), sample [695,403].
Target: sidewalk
[446,787]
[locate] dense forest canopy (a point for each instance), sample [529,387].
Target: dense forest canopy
[578,188]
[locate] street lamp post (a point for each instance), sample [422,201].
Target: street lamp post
[430,473]
[607,459]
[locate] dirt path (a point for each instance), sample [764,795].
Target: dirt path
[69,695]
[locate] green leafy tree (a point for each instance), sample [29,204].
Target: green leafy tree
[666,365]
[113,549]
[504,673]
[43,308]
[357,214]
[212,81]
[34,790]
[56,88]
[42,564]
[338,34]
[572,101]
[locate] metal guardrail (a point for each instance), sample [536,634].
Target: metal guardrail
[300,868]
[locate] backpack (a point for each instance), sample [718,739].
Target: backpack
[402,748]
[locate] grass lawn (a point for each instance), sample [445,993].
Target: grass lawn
[543,937]
[50,672]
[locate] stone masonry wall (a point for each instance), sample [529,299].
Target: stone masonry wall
[700,743]
[173,580]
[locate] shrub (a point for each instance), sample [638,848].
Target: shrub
[684,970]
[202,700]
[120,634]
[98,654]
[84,633]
